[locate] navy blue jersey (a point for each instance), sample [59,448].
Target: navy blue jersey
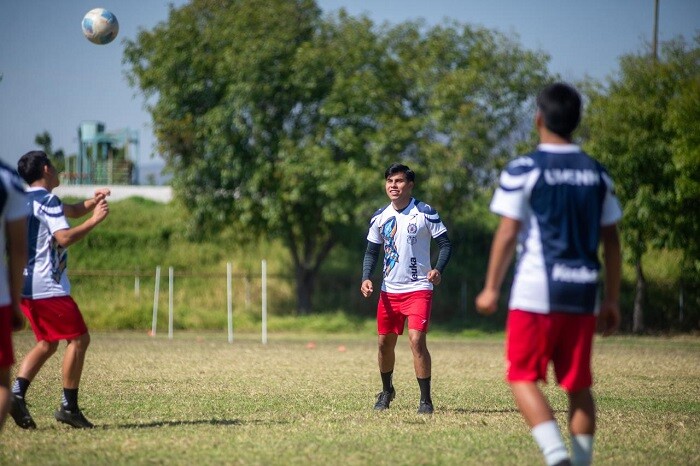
[562,196]
[45,275]
[13,206]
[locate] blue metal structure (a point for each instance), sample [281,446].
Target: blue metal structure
[104,158]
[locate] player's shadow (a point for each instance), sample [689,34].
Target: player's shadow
[489,411]
[212,422]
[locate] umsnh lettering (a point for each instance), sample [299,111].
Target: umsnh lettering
[570,176]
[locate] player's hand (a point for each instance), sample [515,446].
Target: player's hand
[101,194]
[101,211]
[609,317]
[367,288]
[434,277]
[17,318]
[487,302]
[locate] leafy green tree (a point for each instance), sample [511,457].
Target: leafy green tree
[44,141]
[279,121]
[644,128]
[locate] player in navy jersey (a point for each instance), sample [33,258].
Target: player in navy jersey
[404,228]
[13,240]
[46,300]
[556,205]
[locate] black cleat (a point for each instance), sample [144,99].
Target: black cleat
[20,413]
[383,399]
[425,407]
[72,418]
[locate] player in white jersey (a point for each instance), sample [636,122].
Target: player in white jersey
[46,300]
[13,240]
[557,204]
[404,228]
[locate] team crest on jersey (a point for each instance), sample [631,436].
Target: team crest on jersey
[391,254]
[412,228]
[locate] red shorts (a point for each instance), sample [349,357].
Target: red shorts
[533,340]
[394,308]
[7,354]
[54,319]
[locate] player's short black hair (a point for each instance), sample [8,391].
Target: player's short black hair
[560,106]
[395,168]
[31,165]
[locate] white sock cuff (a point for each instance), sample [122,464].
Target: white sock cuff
[548,437]
[582,449]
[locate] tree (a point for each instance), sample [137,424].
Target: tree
[44,141]
[643,130]
[279,121]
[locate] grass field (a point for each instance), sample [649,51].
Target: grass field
[200,400]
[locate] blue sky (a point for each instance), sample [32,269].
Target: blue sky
[53,78]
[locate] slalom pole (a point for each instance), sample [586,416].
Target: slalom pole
[229,302]
[155,302]
[264,302]
[170,303]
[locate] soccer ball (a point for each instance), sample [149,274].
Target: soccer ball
[100,26]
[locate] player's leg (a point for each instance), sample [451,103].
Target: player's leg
[417,308]
[572,366]
[582,419]
[7,358]
[422,365]
[70,327]
[421,355]
[528,352]
[386,358]
[389,326]
[386,354]
[73,362]
[4,394]
[534,407]
[32,363]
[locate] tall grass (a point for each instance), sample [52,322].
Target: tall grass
[140,235]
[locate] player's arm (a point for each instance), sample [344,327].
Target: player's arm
[609,317]
[69,236]
[16,234]
[368,264]
[80,209]
[444,254]
[502,249]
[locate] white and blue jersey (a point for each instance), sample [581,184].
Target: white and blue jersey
[13,206]
[45,275]
[406,237]
[562,196]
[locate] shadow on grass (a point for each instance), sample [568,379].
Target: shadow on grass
[489,411]
[213,422]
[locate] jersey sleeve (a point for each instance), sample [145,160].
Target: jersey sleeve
[50,211]
[612,212]
[510,198]
[17,205]
[434,223]
[374,235]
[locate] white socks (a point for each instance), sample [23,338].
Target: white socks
[548,437]
[581,449]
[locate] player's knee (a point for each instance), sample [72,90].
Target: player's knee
[83,341]
[48,347]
